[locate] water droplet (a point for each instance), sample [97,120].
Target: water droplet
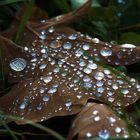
[79,52]
[42,35]
[55,44]
[67,45]
[72,36]
[104,134]
[112,120]
[87,85]
[95,112]
[88,135]
[97,118]
[42,90]
[46,98]
[87,70]
[18,64]
[118,130]
[23,104]
[125,91]
[47,79]
[43,66]
[52,90]
[86,79]
[100,89]
[106,52]
[51,29]
[68,104]
[95,40]
[107,72]
[99,83]
[86,47]
[128,46]
[82,63]
[44,50]
[115,86]
[99,76]
[92,66]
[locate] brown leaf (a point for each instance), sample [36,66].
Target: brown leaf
[97,120]
[66,18]
[57,74]
[61,79]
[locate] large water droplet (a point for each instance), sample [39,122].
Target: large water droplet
[43,66]
[104,134]
[106,52]
[87,70]
[56,44]
[18,64]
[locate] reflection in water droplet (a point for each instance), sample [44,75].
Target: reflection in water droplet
[106,52]
[55,44]
[18,64]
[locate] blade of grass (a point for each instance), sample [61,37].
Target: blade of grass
[24,19]
[5,2]
[37,125]
[9,130]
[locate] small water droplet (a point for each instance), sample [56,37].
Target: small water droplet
[42,35]
[104,134]
[68,104]
[88,135]
[125,91]
[52,90]
[46,98]
[18,64]
[72,36]
[47,79]
[92,66]
[43,66]
[51,29]
[128,46]
[106,52]
[55,44]
[118,130]
[99,76]
[97,118]
[67,45]
[95,112]
[87,70]
[79,52]
[99,83]
[86,47]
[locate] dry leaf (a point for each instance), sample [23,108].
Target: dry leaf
[98,120]
[56,72]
